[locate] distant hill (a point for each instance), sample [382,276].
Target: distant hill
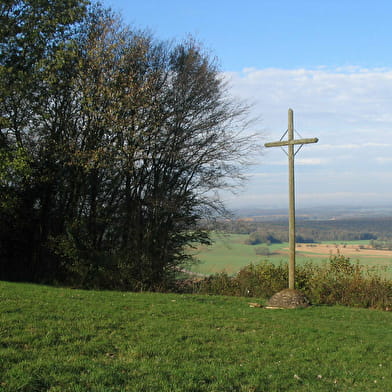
[313,213]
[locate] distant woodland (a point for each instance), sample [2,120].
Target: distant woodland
[377,229]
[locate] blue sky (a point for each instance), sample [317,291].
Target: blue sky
[329,60]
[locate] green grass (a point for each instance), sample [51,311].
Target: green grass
[54,339]
[229,254]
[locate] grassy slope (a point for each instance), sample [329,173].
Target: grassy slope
[70,340]
[229,253]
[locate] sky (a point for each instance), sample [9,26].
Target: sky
[328,60]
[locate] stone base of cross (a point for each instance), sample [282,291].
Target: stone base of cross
[290,143]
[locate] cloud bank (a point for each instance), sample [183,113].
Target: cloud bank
[348,108]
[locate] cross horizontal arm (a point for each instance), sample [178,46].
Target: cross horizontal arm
[291,142]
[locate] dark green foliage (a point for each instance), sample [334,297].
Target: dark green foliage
[385,245]
[262,251]
[345,283]
[338,282]
[299,239]
[308,230]
[263,237]
[33,35]
[113,141]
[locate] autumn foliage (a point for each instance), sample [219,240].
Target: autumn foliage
[115,146]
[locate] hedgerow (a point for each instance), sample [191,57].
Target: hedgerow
[338,281]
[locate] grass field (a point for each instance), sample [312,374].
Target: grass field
[54,339]
[229,253]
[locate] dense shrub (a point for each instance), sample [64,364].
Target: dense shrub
[262,237]
[262,251]
[336,282]
[340,282]
[220,284]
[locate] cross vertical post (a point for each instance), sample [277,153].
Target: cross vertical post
[290,137]
[290,143]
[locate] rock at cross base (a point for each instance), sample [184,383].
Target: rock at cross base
[288,299]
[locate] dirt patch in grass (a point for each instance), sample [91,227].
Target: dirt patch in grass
[349,250]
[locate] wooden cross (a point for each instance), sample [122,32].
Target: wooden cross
[290,142]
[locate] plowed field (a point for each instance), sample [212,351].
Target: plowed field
[349,250]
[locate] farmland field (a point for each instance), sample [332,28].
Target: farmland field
[229,253]
[64,340]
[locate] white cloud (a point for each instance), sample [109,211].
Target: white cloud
[348,108]
[300,161]
[352,146]
[311,161]
[265,175]
[384,159]
[325,101]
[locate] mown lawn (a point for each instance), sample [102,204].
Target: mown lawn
[55,339]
